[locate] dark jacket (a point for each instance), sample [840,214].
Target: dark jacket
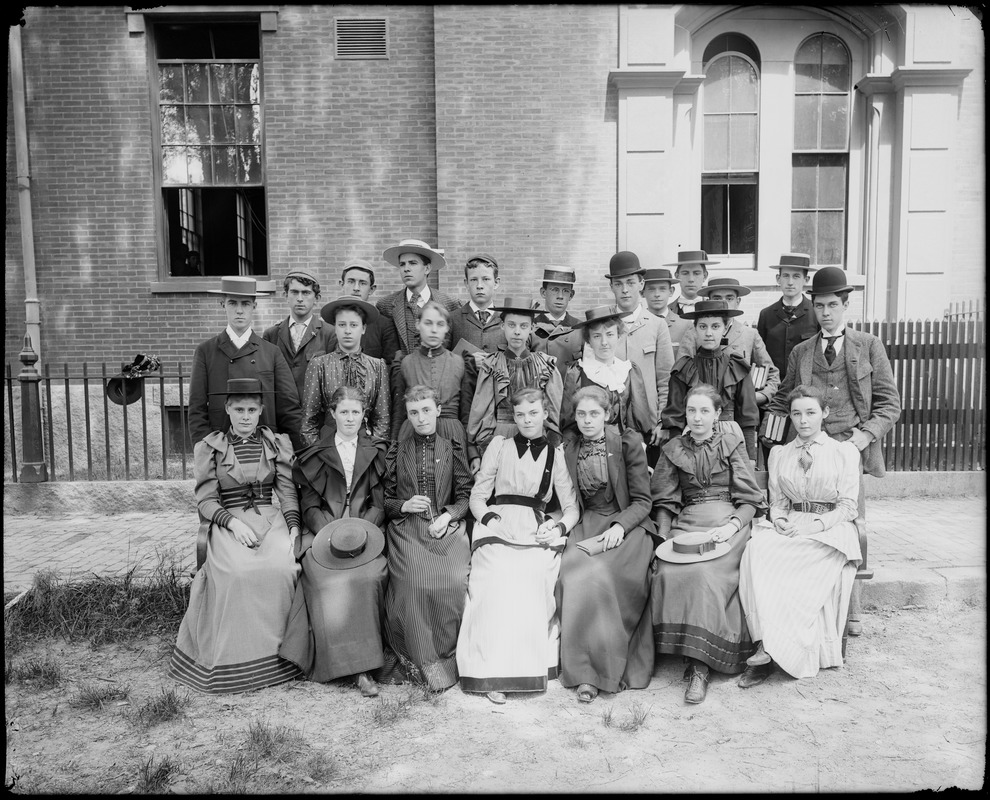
[216,360]
[780,336]
[393,307]
[317,341]
[452,478]
[464,324]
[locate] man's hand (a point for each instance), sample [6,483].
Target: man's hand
[861,439]
[475,465]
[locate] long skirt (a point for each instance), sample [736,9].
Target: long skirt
[335,624]
[795,592]
[239,602]
[510,635]
[424,602]
[606,635]
[696,608]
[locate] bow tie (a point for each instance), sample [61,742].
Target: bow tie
[532,446]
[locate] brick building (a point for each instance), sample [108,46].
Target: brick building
[264,138]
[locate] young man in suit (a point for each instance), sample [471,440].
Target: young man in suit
[302,335]
[238,352]
[658,288]
[380,339]
[853,372]
[791,319]
[691,272]
[475,322]
[553,328]
[415,260]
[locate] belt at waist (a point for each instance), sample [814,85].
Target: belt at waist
[813,507]
[516,500]
[448,415]
[724,497]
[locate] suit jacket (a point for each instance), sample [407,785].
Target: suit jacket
[216,360]
[647,344]
[393,307]
[559,341]
[464,324]
[453,479]
[628,476]
[873,390]
[678,327]
[380,340]
[780,336]
[746,342]
[318,340]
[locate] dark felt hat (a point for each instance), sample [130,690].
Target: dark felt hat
[600,314]
[711,308]
[242,386]
[347,543]
[329,311]
[691,257]
[658,275]
[724,283]
[624,263]
[518,305]
[830,280]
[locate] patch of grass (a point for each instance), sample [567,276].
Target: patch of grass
[242,769]
[154,778]
[165,706]
[44,672]
[95,696]
[267,742]
[320,767]
[103,609]
[632,723]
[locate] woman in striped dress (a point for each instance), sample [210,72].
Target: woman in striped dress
[239,602]
[427,487]
[798,571]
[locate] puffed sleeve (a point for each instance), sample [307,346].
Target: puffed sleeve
[313,411]
[780,503]
[460,485]
[554,390]
[207,489]
[481,420]
[563,487]
[285,487]
[746,494]
[484,481]
[665,491]
[393,505]
[382,419]
[847,486]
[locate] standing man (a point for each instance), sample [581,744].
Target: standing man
[691,272]
[302,335]
[380,339]
[238,352]
[646,341]
[415,260]
[475,322]
[791,320]
[553,328]
[851,369]
[658,287]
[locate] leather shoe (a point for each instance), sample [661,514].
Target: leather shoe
[498,698]
[855,628]
[586,693]
[754,675]
[759,658]
[698,686]
[367,685]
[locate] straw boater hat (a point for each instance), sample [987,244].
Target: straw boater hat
[242,386]
[724,283]
[830,280]
[624,263]
[657,275]
[347,543]
[593,316]
[794,261]
[329,311]
[689,548]
[691,257]
[361,264]
[518,305]
[711,308]
[552,274]
[391,255]
[238,286]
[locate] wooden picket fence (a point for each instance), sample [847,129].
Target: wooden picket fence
[940,370]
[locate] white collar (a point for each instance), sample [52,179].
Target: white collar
[633,315]
[611,377]
[424,296]
[239,341]
[475,309]
[304,322]
[338,442]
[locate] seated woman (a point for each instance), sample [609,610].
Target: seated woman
[346,366]
[798,571]
[427,487]
[717,366]
[510,635]
[606,635]
[335,626]
[239,601]
[435,366]
[704,498]
[628,408]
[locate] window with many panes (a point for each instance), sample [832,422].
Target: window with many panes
[211,164]
[821,150]
[730,176]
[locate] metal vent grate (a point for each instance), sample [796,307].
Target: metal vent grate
[360,37]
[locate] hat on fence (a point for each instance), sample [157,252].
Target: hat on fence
[347,543]
[329,311]
[518,305]
[830,280]
[711,308]
[127,388]
[593,316]
[724,283]
[691,257]
[391,254]
[689,548]
[658,275]
[238,286]
[624,263]
[552,274]
[795,261]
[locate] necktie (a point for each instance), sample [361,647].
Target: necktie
[482,316]
[298,331]
[830,349]
[806,459]
[415,299]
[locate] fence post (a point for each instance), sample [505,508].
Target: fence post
[33,466]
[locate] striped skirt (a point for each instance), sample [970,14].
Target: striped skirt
[795,592]
[239,602]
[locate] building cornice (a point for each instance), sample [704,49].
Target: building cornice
[675,79]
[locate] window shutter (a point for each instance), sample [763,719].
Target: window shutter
[360,37]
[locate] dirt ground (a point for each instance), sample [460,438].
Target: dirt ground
[907,712]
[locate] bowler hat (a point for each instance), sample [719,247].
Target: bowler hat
[691,257]
[329,311]
[711,308]
[359,263]
[624,263]
[238,286]
[658,275]
[552,274]
[724,283]
[518,305]
[242,386]
[391,254]
[347,543]
[829,280]
[691,547]
[794,261]
[593,316]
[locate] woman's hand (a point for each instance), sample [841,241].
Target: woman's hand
[475,465]
[293,535]
[417,504]
[723,532]
[439,526]
[547,532]
[612,537]
[657,436]
[809,528]
[242,532]
[784,527]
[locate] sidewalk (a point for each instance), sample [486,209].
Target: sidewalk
[922,550]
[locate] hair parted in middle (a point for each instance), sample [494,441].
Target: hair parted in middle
[421,392]
[709,391]
[347,393]
[528,394]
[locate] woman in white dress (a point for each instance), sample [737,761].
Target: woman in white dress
[510,634]
[797,572]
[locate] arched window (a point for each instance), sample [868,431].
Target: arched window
[821,150]
[730,177]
